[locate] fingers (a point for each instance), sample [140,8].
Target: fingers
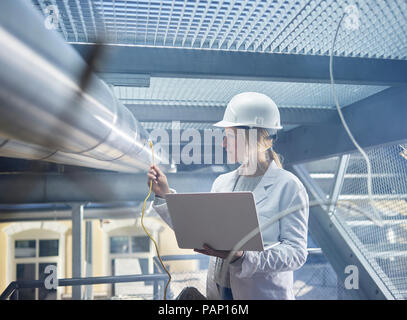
[210,249]
[157,170]
[212,253]
[216,253]
[202,251]
[151,176]
[206,250]
[152,171]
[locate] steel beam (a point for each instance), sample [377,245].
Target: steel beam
[309,182]
[125,79]
[339,178]
[377,120]
[220,64]
[211,114]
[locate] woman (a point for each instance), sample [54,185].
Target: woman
[252,274]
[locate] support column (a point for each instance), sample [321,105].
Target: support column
[337,187]
[89,263]
[77,219]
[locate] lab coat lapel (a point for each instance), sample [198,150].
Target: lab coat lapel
[230,181]
[260,192]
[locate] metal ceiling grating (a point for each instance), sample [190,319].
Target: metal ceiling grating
[182,125]
[217,92]
[274,26]
[167,125]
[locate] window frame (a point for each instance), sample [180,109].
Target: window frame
[37,235]
[129,231]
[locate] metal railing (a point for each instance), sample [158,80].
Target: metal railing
[159,278]
[15,286]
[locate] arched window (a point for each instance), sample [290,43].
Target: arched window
[32,247]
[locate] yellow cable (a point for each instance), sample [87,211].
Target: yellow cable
[148,234]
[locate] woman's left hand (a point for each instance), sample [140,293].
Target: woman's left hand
[207,250]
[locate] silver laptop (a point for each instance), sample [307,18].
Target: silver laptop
[219,219]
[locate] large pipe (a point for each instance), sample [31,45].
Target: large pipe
[42,102]
[91,187]
[23,150]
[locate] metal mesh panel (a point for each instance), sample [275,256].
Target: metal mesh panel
[385,247]
[317,280]
[182,125]
[217,92]
[277,26]
[181,280]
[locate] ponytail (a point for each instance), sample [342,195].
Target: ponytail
[276,157]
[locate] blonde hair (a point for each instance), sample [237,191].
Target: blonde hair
[263,149]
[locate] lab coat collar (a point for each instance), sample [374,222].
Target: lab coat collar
[260,192]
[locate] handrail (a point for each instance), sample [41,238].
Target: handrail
[24,284]
[314,250]
[177,258]
[9,290]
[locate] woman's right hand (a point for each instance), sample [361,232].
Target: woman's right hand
[160,184]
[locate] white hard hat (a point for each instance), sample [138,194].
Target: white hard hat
[251,109]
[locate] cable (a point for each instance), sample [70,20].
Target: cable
[376,219]
[148,234]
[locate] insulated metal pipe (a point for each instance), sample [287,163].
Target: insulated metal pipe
[23,150]
[42,101]
[91,187]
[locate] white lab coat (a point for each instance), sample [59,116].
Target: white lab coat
[267,274]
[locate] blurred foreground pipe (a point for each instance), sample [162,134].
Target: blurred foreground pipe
[42,102]
[23,150]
